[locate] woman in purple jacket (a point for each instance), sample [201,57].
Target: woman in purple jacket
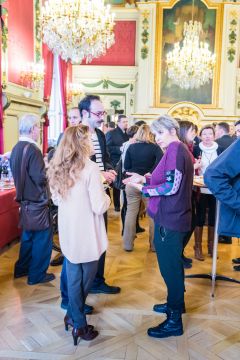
[169,189]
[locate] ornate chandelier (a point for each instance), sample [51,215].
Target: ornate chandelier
[77,29]
[191,65]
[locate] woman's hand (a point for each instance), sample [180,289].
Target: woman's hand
[134,178]
[197,164]
[136,186]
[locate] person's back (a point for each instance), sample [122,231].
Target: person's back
[35,184]
[142,157]
[30,180]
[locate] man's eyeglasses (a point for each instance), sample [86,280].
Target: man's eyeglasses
[99,114]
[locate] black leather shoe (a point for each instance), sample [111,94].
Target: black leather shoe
[105,289]
[222,239]
[47,278]
[172,326]
[186,259]
[236,261]
[236,267]
[163,308]
[117,209]
[88,309]
[19,275]
[58,260]
[139,230]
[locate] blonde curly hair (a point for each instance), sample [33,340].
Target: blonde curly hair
[69,159]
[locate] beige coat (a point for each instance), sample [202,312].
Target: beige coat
[81,225]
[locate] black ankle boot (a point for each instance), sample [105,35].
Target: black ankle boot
[172,326]
[163,308]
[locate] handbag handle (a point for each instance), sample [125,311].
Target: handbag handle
[23,170]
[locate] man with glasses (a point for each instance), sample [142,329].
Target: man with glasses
[92,114]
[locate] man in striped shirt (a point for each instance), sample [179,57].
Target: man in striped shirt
[92,114]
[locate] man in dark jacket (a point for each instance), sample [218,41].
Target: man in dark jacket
[224,140]
[36,246]
[222,177]
[115,139]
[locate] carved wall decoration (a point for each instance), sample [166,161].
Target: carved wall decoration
[232,35]
[186,111]
[38,39]
[145,34]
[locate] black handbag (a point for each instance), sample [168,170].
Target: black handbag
[34,216]
[118,182]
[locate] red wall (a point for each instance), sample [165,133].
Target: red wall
[122,53]
[21,36]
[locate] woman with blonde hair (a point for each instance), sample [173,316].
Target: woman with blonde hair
[141,157]
[77,189]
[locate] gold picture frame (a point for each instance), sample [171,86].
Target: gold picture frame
[163,95]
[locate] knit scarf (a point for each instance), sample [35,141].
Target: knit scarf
[167,163]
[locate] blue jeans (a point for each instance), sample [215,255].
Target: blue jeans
[34,255]
[80,278]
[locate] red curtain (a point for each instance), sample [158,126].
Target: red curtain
[63,76]
[48,69]
[1,108]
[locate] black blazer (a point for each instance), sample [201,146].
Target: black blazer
[225,141]
[115,139]
[35,186]
[105,155]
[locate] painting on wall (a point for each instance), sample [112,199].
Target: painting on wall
[171,20]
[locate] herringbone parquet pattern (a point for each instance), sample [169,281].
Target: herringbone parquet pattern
[31,320]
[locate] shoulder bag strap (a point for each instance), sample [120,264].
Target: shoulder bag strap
[23,170]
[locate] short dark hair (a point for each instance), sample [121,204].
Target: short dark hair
[140,123]
[237,123]
[132,130]
[85,103]
[224,126]
[120,117]
[111,125]
[207,127]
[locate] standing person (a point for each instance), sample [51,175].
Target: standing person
[224,140]
[207,150]
[186,135]
[74,119]
[223,179]
[170,192]
[237,128]
[35,246]
[77,188]
[92,114]
[141,157]
[115,139]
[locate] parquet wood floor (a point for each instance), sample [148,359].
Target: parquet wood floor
[31,320]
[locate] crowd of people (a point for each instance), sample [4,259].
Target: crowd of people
[157,164]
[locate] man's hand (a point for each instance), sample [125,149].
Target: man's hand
[109,176]
[134,178]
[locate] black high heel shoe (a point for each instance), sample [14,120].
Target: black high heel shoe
[69,322]
[84,333]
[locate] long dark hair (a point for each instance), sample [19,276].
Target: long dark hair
[185,125]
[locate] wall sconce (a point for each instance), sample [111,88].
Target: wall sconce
[74,90]
[32,75]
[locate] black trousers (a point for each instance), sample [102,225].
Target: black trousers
[205,204]
[99,278]
[169,246]
[116,198]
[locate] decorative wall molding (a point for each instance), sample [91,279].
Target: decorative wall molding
[145,33]
[232,35]
[37,37]
[106,83]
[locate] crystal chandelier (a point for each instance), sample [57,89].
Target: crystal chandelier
[77,29]
[191,65]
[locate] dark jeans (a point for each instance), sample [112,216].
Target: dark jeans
[35,253]
[99,277]
[169,246]
[80,278]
